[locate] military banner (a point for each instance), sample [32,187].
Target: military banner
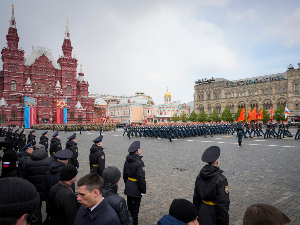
[29,111]
[61,111]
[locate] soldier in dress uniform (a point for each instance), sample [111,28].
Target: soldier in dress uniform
[16,140]
[134,179]
[31,138]
[72,145]
[97,156]
[22,139]
[55,144]
[44,140]
[80,128]
[211,193]
[24,155]
[9,161]
[297,135]
[240,133]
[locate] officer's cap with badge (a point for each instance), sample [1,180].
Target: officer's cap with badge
[55,134]
[22,131]
[33,131]
[211,154]
[98,139]
[63,154]
[72,136]
[134,146]
[29,145]
[46,132]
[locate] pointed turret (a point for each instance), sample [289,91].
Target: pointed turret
[12,36]
[67,47]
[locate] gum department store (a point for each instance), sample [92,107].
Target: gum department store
[277,89]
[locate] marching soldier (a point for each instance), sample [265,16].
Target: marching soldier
[170,133]
[31,138]
[298,132]
[16,140]
[102,129]
[97,157]
[55,144]
[44,140]
[80,128]
[134,179]
[211,194]
[72,145]
[240,133]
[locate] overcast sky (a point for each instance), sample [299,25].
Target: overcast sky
[127,46]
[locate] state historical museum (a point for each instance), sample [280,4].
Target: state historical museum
[38,89]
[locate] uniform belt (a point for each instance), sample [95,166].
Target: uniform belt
[208,202]
[132,179]
[53,153]
[95,165]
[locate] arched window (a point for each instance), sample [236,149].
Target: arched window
[13,85]
[13,115]
[50,88]
[42,87]
[47,103]
[79,119]
[42,102]
[50,73]
[71,115]
[27,70]
[82,92]
[35,87]
[35,71]
[69,90]
[2,118]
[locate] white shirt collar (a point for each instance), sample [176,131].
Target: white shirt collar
[95,205]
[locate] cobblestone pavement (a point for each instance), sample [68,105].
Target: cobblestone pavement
[262,171]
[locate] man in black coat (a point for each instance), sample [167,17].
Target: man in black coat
[36,168]
[31,138]
[15,140]
[111,176]
[22,139]
[24,155]
[211,194]
[63,204]
[44,140]
[72,146]
[97,157]
[95,209]
[53,174]
[134,179]
[55,145]
[9,162]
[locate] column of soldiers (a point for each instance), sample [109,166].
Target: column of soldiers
[76,127]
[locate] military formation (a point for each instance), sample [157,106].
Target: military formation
[76,127]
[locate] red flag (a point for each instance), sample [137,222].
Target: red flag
[260,115]
[242,115]
[253,113]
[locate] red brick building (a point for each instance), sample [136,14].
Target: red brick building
[43,78]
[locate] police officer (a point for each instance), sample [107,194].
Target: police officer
[97,156]
[44,140]
[240,133]
[31,138]
[211,193]
[134,179]
[55,144]
[72,145]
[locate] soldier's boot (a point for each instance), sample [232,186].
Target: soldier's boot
[239,144]
[135,221]
[170,140]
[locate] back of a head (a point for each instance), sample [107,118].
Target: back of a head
[183,210]
[40,147]
[111,174]
[17,197]
[264,214]
[91,182]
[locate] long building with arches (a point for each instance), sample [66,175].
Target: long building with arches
[37,88]
[263,91]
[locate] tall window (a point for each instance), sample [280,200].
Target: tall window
[50,87]
[42,87]
[13,85]
[227,95]
[218,109]
[264,92]
[50,72]
[47,103]
[231,95]
[270,92]
[2,118]
[278,90]
[13,98]
[243,94]
[219,95]
[255,92]
[296,87]
[42,102]
[283,90]
[82,92]
[239,94]
[251,93]
[27,70]
[79,119]
[69,100]
[35,71]
[71,115]
[68,90]
[13,115]
[35,87]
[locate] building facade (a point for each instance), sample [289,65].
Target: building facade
[44,79]
[264,91]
